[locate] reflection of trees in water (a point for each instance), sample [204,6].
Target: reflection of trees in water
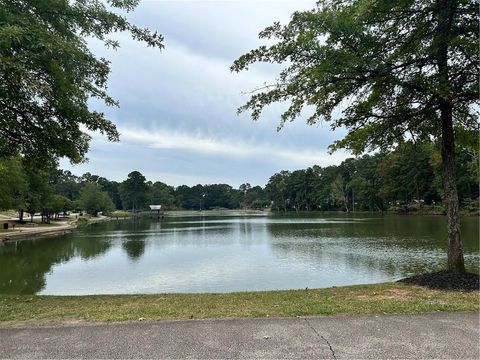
[134,247]
[134,239]
[408,232]
[349,255]
[198,231]
[90,247]
[396,246]
[23,264]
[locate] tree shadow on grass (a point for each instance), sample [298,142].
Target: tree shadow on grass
[444,280]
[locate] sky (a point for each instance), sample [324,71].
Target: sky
[178,118]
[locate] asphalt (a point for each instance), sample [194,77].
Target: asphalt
[439,335]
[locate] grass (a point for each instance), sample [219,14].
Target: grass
[120,214]
[8,213]
[363,299]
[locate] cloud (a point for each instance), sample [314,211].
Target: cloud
[177,115]
[229,147]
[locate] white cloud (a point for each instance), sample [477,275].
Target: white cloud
[177,115]
[229,147]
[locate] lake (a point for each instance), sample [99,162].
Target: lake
[232,253]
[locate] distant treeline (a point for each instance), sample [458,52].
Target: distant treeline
[412,174]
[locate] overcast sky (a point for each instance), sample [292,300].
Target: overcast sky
[177,117]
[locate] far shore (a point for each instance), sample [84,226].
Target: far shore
[65,225]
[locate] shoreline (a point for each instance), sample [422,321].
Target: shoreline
[57,228]
[67,225]
[384,298]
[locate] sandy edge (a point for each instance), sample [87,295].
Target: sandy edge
[41,232]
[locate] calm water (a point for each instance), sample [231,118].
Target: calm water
[231,253]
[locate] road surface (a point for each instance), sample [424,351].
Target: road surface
[439,335]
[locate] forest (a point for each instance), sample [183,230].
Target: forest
[404,179]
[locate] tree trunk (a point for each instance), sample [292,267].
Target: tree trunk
[446,10]
[455,249]
[353,200]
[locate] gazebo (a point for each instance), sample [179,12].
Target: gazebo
[156,208]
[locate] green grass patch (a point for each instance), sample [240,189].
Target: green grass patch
[9,213]
[385,298]
[119,214]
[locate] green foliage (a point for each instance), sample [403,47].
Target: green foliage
[134,191]
[60,204]
[204,197]
[276,190]
[408,178]
[13,183]
[410,174]
[162,194]
[48,74]
[385,71]
[39,193]
[93,200]
[65,183]
[377,64]
[253,197]
[339,191]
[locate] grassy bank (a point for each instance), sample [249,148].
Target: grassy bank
[363,299]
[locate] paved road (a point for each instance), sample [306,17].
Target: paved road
[441,335]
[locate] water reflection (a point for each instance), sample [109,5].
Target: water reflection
[88,249]
[217,254]
[134,247]
[23,264]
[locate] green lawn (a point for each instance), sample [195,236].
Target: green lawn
[364,299]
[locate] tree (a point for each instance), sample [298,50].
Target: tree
[59,203]
[339,192]
[244,189]
[112,189]
[366,183]
[394,69]
[48,74]
[65,183]
[13,184]
[276,190]
[162,194]
[133,191]
[219,196]
[253,198]
[93,200]
[39,192]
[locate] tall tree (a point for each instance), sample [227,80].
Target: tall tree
[65,183]
[134,191]
[394,69]
[48,74]
[276,189]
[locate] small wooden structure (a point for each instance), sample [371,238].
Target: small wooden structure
[158,209]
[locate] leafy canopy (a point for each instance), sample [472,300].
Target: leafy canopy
[94,200]
[48,74]
[371,66]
